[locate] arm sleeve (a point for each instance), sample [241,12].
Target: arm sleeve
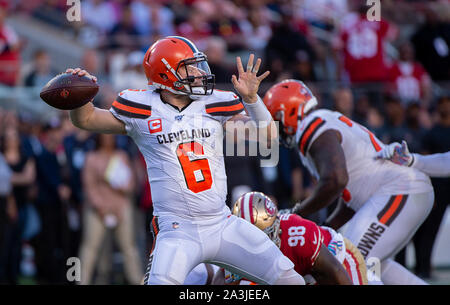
[435,165]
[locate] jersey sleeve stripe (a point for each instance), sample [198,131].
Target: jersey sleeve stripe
[129,103]
[213,111]
[223,104]
[131,111]
[226,113]
[308,134]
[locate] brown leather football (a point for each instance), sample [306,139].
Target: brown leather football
[67,91]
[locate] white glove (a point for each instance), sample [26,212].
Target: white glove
[396,153]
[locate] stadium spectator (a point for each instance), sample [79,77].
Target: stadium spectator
[23,175]
[361,44]
[225,23]
[9,50]
[256,29]
[125,34]
[8,218]
[343,101]
[284,46]
[152,19]
[41,72]
[196,28]
[216,50]
[432,45]
[437,140]
[76,146]
[128,73]
[99,14]
[108,182]
[394,129]
[408,78]
[51,243]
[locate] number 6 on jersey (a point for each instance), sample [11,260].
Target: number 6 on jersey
[196,172]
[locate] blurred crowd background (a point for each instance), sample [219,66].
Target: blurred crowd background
[59,192]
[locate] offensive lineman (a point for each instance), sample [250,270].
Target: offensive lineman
[176,123]
[383,203]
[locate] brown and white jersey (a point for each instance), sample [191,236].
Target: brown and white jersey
[367,176]
[183,149]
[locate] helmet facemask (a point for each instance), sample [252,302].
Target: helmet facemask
[286,139]
[198,79]
[273,232]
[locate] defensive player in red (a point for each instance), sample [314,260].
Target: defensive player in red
[382,203]
[320,254]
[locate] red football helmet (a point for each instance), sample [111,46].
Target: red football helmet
[288,102]
[175,64]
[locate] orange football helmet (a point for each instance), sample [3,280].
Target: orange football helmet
[175,64]
[288,102]
[261,211]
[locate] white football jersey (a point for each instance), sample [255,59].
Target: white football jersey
[183,150]
[367,176]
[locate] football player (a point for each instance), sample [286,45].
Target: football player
[435,165]
[177,123]
[320,254]
[382,203]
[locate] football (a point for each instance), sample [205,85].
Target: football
[67,91]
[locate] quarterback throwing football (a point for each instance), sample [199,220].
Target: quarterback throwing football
[177,123]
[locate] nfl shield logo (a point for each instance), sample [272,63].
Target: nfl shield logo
[179,117]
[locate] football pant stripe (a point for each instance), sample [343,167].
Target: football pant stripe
[392,209]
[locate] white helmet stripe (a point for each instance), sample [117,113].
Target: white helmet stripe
[245,209]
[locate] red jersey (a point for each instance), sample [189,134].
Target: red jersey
[9,60]
[407,79]
[363,49]
[301,240]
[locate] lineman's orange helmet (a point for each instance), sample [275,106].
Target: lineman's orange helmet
[288,102]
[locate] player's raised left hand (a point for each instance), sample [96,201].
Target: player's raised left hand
[247,83]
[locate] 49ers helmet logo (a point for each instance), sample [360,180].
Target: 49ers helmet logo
[270,207]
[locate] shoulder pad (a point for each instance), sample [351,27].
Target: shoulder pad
[133,103]
[308,129]
[223,103]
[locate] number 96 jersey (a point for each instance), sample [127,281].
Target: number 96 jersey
[183,149]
